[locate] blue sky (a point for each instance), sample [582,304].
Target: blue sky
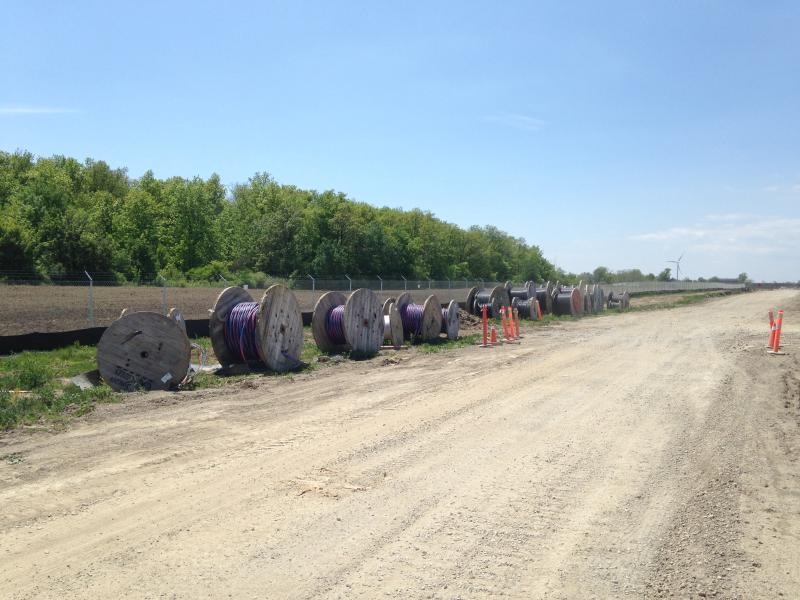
[620,134]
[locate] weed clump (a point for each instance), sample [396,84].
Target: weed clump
[30,390]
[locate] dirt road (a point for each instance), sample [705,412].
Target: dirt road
[642,455]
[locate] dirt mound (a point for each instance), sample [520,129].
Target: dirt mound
[468,322]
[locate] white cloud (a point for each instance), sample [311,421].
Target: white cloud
[517,121]
[728,234]
[17,111]
[727,217]
[775,189]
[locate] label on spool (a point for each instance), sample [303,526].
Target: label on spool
[166,378]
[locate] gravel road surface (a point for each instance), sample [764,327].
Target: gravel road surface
[650,454]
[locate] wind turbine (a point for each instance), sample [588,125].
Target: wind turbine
[677,264]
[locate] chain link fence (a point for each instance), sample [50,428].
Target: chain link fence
[651,287]
[66,302]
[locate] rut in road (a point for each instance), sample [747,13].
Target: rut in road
[614,457]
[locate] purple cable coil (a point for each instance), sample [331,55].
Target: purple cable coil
[334,324]
[240,331]
[411,315]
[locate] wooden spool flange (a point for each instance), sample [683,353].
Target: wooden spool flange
[143,351]
[393,325]
[280,329]
[542,295]
[599,296]
[363,325]
[228,298]
[499,299]
[327,302]
[471,301]
[503,295]
[450,324]
[431,319]
[386,303]
[177,316]
[362,322]
[402,300]
[579,301]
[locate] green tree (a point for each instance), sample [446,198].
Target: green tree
[601,274]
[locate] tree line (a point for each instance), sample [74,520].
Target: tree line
[60,215]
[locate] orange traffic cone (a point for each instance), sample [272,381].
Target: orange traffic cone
[771,330]
[505,324]
[776,343]
[493,339]
[485,321]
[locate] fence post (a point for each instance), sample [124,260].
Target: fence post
[448,283]
[350,280]
[405,283]
[163,294]
[91,299]
[313,283]
[466,285]
[381,278]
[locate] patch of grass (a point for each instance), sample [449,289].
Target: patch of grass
[32,370]
[50,403]
[13,459]
[686,300]
[545,321]
[30,391]
[310,351]
[443,344]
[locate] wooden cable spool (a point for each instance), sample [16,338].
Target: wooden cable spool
[386,303]
[431,324]
[621,300]
[495,298]
[599,299]
[143,351]
[544,294]
[470,300]
[525,308]
[362,322]
[450,320]
[526,291]
[278,332]
[392,325]
[587,300]
[568,302]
